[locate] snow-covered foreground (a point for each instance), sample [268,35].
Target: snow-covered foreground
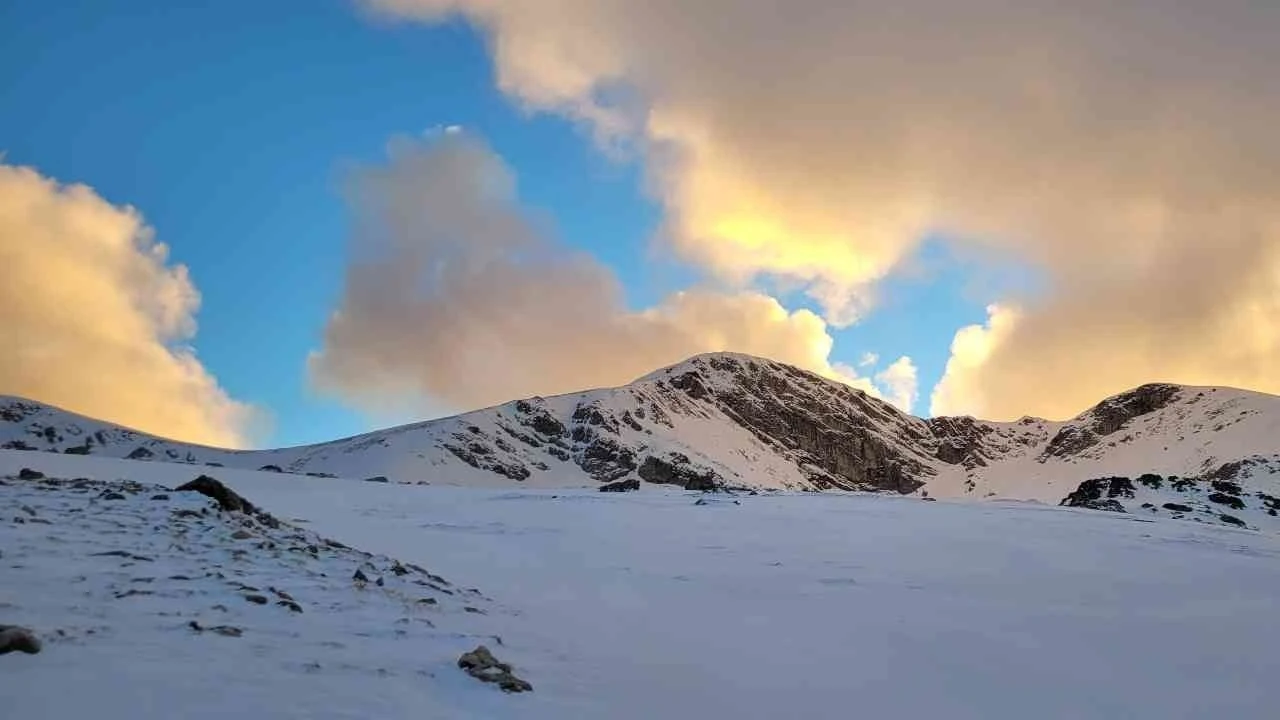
[647,605]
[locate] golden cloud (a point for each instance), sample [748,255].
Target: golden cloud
[94,316]
[454,300]
[1127,150]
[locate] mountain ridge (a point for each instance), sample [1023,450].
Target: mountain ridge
[730,420]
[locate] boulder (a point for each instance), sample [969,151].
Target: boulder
[483,666]
[18,639]
[226,498]
[621,486]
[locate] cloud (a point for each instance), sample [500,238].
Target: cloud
[454,299]
[961,391]
[95,317]
[1126,151]
[900,383]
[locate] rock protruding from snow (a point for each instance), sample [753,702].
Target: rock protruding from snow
[18,639]
[482,665]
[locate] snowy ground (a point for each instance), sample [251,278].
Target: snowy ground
[639,606]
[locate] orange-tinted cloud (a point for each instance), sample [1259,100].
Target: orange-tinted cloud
[1126,150]
[455,300]
[94,316]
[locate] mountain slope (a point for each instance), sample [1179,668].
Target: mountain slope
[732,420]
[628,607]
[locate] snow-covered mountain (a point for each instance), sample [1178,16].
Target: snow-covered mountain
[728,420]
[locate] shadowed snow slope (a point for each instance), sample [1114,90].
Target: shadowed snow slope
[733,420]
[636,605]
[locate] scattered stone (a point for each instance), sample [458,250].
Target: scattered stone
[271,468]
[295,607]
[1177,507]
[224,630]
[18,639]
[256,599]
[132,593]
[428,601]
[399,570]
[112,495]
[28,510]
[160,496]
[241,535]
[474,610]
[377,479]
[483,666]
[122,554]
[359,576]
[29,474]
[1232,520]
[621,486]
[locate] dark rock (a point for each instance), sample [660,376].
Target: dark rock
[29,474]
[271,468]
[482,665]
[292,605]
[241,535]
[1177,507]
[160,496]
[224,630]
[112,495]
[359,576]
[1230,501]
[226,498]
[378,479]
[256,599]
[1232,520]
[676,469]
[1226,486]
[1151,480]
[140,453]
[621,486]
[18,639]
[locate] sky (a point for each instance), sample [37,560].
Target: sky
[277,223]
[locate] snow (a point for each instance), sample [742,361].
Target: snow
[638,605]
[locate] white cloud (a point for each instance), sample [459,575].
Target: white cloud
[900,383]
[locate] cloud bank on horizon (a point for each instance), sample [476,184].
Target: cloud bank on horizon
[455,299]
[95,317]
[1125,149]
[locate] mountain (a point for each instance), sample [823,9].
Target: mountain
[729,420]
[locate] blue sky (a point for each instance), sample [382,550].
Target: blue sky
[231,125]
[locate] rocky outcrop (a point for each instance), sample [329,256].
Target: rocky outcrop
[1101,494]
[1108,417]
[842,437]
[676,468]
[621,486]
